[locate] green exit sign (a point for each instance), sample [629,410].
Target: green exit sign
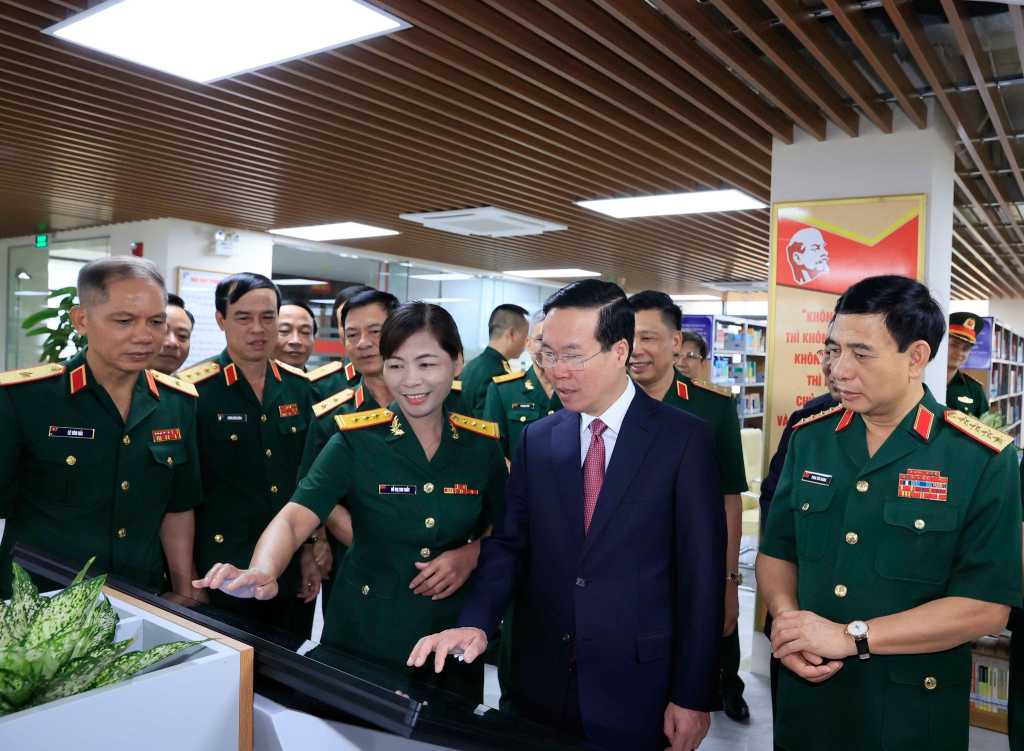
[42,241]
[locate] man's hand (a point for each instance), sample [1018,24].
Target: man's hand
[810,667]
[443,576]
[470,642]
[237,582]
[803,631]
[323,556]
[310,586]
[732,607]
[685,728]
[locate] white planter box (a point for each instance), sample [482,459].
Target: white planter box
[192,702]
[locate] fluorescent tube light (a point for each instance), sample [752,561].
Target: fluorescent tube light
[551,273]
[695,298]
[206,40]
[322,300]
[448,300]
[442,277]
[298,282]
[700,202]
[337,231]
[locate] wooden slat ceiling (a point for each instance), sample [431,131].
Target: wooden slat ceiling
[529,105]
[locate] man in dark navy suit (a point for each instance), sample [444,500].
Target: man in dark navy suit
[612,545]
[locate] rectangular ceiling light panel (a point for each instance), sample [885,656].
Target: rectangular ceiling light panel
[552,273]
[207,40]
[700,202]
[337,231]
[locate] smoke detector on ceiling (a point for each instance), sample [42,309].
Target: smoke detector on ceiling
[488,221]
[731,286]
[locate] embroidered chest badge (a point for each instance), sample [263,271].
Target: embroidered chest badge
[461,488]
[924,484]
[288,410]
[167,434]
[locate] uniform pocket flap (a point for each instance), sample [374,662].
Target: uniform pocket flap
[651,648]
[371,581]
[929,671]
[813,500]
[169,454]
[292,425]
[920,519]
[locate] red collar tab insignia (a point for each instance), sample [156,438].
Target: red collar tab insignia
[360,396]
[288,410]
[231,374]
[682,390]
[151,382]
[77,379]
[923,484]
[275,371]
[923,422]
[461,488]
[845,420]
[167,434]
[350,372]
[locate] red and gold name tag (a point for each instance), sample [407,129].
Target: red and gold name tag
[288,410]
[167,434]
[461,489]
[925,484]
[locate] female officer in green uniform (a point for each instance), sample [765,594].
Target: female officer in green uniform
[422,485]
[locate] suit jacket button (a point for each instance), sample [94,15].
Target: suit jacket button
[566,638]
[581,582]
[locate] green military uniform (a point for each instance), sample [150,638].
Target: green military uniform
[404,509]
[77,480]
[966,394]
[477,375]
[250,459]
[934,513]
[716,407]
[514,400]
[1016,698]
[331,378]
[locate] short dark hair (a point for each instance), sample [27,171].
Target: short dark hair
[305,307]
[507,316]
[909,310]
[95,277]
[346,294]
[231,288]
[367,297]
[412,317]
[694,338]
[176,301]
[652,299]
[615,319]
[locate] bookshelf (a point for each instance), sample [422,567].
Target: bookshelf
[997,360]
[737,358]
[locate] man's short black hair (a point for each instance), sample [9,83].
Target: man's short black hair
[505,317]
[176,301]
[615,321]
[346,294]
[694,338]
[305,307]
[910,312]
[368,296]
[231,288]
[652,299]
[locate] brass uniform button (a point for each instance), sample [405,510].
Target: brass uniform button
[365,590]
[273,488]
[429,522]
[862,486]
[125,485]
[269,453]
[852,538]
[126,440]
[218,539]
[919,524]
[930,683]
[233,436]
[551,411]
[295,429]
[840,590]
[428,487]
[424,552]
[72,461]
[122,533]
[522,419]
[170,461]
[806,507]
[263,418]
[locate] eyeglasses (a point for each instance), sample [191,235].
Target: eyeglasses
[575,363]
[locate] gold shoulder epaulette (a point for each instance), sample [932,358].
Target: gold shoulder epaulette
[994,438]
[457,386]
[332,402]
[714,389]
[324,370]
[174,383]
[515,376]
[368,419]
[199,373]
[292,369]
[475,425]
[974,379]
[27,375]
[818,416]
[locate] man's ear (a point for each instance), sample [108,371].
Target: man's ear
[920,352]
[219,319]
[79,319]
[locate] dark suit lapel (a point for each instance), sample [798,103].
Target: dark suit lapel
[630,449]
[567,475]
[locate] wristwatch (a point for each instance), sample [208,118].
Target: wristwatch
[736,577]
[858,631]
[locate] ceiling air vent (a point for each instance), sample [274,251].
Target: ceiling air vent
[486,220]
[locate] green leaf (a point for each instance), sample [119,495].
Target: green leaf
[131,663]
[39,331]
[79,675]
[25,603]
[39,316]
[72,291]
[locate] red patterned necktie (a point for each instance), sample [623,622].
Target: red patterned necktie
[593,472]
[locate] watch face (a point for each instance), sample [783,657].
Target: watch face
[857,629]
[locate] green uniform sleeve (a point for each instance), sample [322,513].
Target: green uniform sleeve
[494,410]
[327,482]
[987,564]
[9,439]
[317,436]
[982,400]
[779,537]
[494,500]
[731,467]
[188,481]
